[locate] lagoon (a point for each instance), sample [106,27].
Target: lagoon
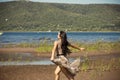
[37,37]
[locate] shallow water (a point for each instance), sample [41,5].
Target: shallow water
[24,59]
[41,62]
[31,59]
[44,62]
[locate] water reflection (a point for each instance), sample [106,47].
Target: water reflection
[44,62]
[24,59]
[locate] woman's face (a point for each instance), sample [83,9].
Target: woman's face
[58,35]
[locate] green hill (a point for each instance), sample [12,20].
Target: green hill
[33,16]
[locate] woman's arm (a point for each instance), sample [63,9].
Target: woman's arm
[76,47]
[53,51]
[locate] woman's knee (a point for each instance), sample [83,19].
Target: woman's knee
[57,71]
[71,79]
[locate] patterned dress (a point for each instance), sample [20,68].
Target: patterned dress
[63,62]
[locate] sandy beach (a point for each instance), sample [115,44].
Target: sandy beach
[46,72]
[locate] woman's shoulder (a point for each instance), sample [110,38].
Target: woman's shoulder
[57,42]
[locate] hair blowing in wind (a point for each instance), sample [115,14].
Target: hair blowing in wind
[65,43]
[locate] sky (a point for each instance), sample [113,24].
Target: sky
[75,1]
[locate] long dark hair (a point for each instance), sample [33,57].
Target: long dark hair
[65,43]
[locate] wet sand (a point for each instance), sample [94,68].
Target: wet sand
[15,50]
[48,54]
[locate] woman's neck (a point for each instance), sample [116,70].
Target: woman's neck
[59,39]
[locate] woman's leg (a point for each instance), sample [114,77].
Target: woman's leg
[57,73]
[71,79]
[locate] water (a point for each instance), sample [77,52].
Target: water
[43,62]
[24,59]
[36,37]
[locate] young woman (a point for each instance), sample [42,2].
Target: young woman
[61,50]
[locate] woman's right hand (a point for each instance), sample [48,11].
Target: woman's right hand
[51,58]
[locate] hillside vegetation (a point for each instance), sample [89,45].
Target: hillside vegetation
[35,16]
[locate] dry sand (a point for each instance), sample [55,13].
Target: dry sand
[47,73]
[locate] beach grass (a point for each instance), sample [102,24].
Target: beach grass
[96,47]
[46,47]
[100,65]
